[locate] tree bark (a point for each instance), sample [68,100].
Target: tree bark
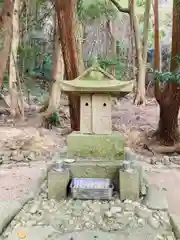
[112,52]
[156,37]
[58,74]
[52,106]
[79,40]
[5,36]
[141,56]
[17,108]
[65,10]
[169,104]
[169,98]
[156,47]
[168,123]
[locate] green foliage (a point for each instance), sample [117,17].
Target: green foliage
[95,9]
[177,58]
[2,40]
[106,63]
[33,62]
[140,3]
[173,77]
[55,117]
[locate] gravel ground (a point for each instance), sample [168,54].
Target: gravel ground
[76,215]
[17,182]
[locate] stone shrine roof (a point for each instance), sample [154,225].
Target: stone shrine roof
[96,80]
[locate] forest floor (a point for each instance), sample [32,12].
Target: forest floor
[26,148]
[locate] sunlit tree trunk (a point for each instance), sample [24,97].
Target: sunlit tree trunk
[141,56]
[16,99]
[65,10]
[5,35]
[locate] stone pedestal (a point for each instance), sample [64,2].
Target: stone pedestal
[57,184]
[129,184]
[106,147]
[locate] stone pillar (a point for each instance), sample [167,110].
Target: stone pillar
[57,184]
[129,184]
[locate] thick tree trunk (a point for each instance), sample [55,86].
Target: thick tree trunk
[169,98]
[5,35]
[168,132]
[65,10]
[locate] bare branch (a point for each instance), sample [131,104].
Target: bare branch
[118,6]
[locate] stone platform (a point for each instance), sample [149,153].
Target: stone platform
[93,168]
[101,146]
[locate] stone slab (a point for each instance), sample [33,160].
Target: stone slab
[33,233]
[95,169]
[8,210]
[102,146]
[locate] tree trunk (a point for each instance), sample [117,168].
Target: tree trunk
[79,41]
[139,96]
[5,36]
[133,53]
[168,123]
[156,37]
[112,52]
[169,98]
[58,74]
[16,101]
[141,57]
[65,10]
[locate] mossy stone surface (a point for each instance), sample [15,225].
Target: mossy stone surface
[98,146]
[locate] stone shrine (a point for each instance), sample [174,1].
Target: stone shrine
[96,138]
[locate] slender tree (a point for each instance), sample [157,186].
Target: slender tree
[5,35]
[52,106]
[141,51]
[16,96]
[156,37]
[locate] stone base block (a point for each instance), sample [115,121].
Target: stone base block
[57,184]
[129,185]
[95,169]
[98,146]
